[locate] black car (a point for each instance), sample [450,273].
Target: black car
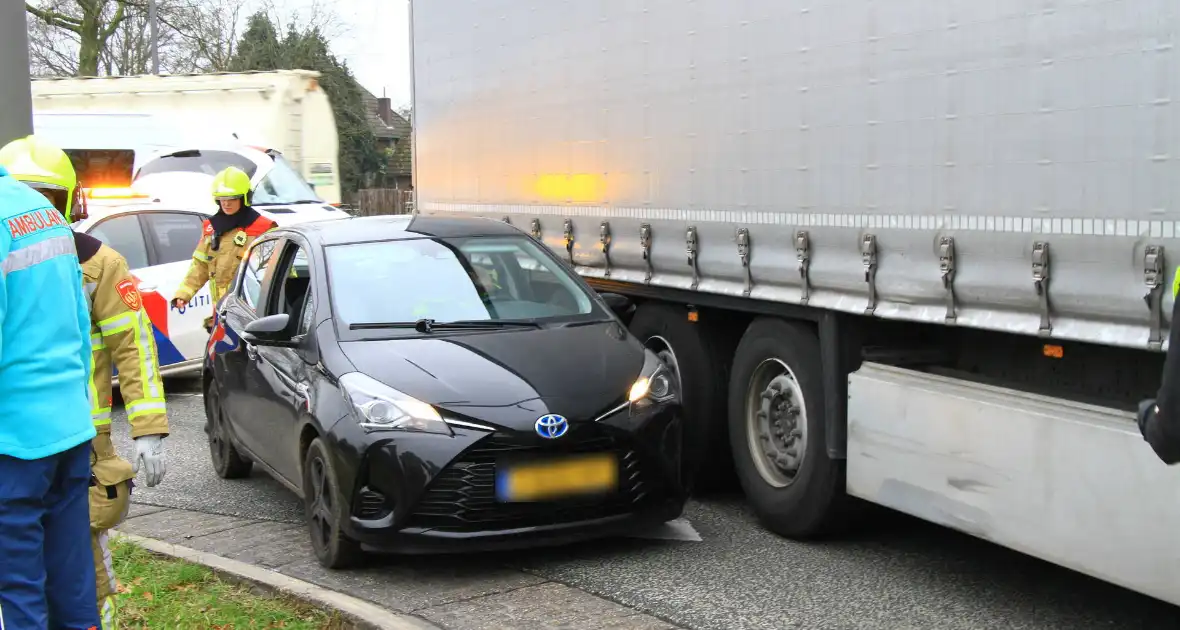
[432,384]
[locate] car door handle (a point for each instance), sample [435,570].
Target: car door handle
[145,287]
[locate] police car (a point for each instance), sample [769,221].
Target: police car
[186,174]
[158,239]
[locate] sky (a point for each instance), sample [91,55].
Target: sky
[373,36]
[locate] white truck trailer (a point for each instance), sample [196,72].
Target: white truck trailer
[284,110]
[912,253]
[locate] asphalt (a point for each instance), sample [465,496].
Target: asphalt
[897,573]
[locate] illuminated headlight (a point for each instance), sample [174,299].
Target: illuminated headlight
[655,382]
[381,407]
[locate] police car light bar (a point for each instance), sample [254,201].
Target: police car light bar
[113,193]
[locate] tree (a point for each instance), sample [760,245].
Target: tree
[112,37]
[260,48]
[92,23]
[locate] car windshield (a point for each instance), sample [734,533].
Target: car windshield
[283,185]
[470,279]
[195,161]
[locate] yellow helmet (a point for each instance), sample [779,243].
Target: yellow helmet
[47,169]
[231,183]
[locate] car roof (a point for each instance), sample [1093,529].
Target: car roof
[399,227]
[101,211]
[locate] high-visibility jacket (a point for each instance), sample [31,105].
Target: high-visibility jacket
[217,266]
[122,334]
[44,329]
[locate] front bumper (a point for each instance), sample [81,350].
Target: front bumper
[405,502]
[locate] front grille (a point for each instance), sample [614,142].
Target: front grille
[463,496]
[371,504]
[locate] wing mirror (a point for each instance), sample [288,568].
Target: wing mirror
[268,331]
[620,304]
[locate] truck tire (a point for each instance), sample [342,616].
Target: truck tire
[776,430]
[701,361]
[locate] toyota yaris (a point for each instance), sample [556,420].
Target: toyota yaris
[434,384]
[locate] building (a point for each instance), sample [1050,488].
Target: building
[394,139]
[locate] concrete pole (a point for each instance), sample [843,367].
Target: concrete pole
[155,34]
[16,100]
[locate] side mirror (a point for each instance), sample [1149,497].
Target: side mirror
[620,304]
[268,331]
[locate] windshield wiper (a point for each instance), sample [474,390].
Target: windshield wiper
[429,325]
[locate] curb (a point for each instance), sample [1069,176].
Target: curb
[363,614]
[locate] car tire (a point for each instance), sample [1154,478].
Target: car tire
[702,362]
[324,509]
[227,461]
[795,488]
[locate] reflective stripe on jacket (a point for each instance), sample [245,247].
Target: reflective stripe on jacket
[122,334]
[218,267]
[44,329]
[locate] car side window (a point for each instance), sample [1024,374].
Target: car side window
[176,235]
[291,292]
[124,235]
[254,271]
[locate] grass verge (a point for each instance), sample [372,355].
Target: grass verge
[158,592]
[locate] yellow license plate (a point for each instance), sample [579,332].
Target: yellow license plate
[573,476]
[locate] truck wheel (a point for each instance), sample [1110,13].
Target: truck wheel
[776,430]
[699,362]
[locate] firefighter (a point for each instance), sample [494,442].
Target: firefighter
[1159,418]
[47,576]
[225,238]
[120,334]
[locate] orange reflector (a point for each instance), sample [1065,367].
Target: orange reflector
[694,316]
[1053,351]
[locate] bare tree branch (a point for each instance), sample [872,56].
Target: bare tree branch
[90,37]
[53,18]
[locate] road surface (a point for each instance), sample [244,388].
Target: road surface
[899,573]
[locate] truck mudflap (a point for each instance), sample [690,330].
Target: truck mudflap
[1070,483]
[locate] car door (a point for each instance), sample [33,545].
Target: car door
[235,363]
[172,236]
[160,271]
[124,234]
[283,378]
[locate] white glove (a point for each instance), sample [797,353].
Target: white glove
[149,451]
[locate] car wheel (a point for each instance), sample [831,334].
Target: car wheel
[776,431]
[324,507]
[228,463]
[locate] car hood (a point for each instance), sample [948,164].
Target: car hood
[509,377]
[301,213]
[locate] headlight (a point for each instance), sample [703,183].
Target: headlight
[382,407]
[655,382]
